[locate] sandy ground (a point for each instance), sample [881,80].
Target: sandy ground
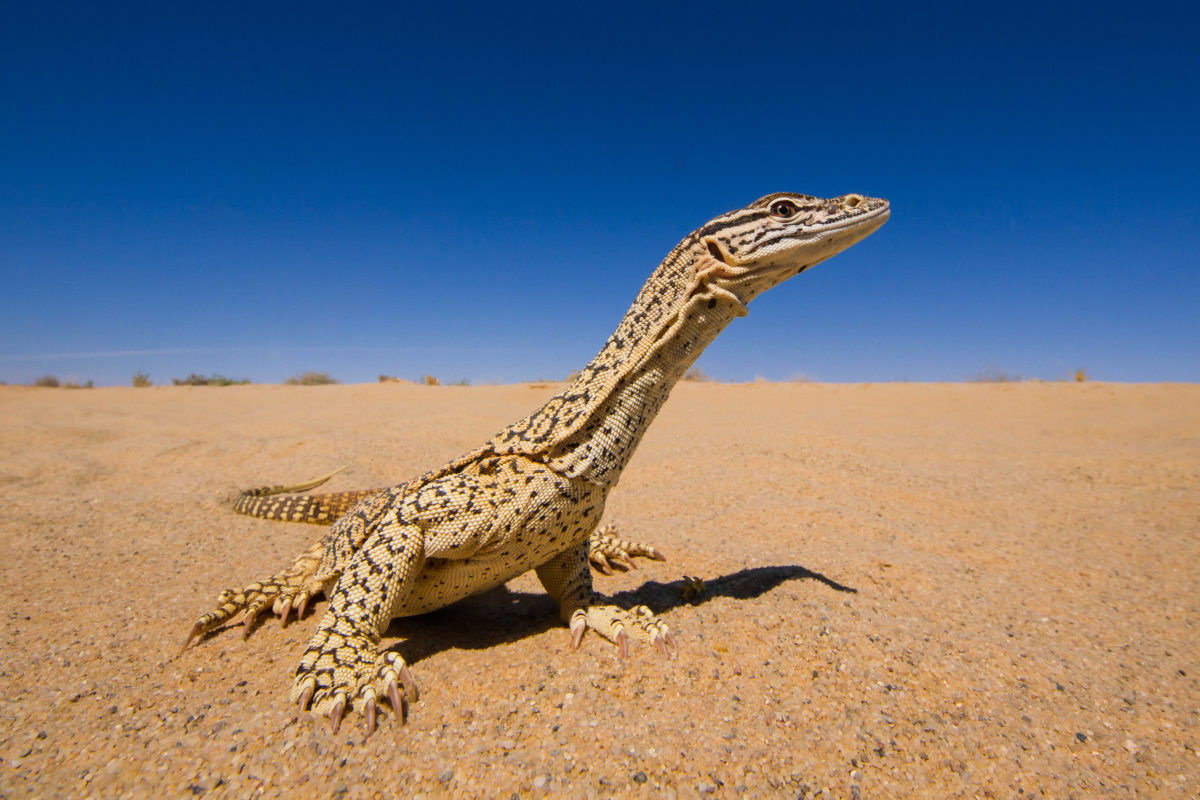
[985,590]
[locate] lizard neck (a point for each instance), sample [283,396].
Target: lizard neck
[600,449]
[591,429]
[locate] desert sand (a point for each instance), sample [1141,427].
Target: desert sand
[954,590]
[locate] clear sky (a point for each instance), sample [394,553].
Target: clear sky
[478,190]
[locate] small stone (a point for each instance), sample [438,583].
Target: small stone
[1081,737]
[446,776]
[639,777]
[539,782]
[706,789]
[1131,745]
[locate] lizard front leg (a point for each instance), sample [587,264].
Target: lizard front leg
[568,579]
[342,664]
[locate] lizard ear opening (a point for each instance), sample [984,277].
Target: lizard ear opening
[715,251]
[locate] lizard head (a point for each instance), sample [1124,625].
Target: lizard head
[760,246]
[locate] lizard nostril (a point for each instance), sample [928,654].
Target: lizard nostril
[852,200]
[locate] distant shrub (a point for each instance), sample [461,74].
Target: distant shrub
[993,375]
[697,374]
[574,376]
[430,380]
[214,380]
[460,382]
[1080,375]
[310,378]
[141,380]
[47,381]
[76,385]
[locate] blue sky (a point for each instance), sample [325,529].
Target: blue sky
[478,192]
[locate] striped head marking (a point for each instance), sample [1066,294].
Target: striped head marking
[781,235]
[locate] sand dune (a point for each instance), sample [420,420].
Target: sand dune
[976,590]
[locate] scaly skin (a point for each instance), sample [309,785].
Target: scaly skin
[532,496]
[607,552]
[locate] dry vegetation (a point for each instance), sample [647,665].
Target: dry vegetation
[52,382]
[993,375]
[311,378]
[213,380]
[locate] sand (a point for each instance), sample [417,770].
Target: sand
[981,590]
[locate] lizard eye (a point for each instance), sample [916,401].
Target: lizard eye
[784,209]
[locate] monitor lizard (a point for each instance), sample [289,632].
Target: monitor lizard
[531,496]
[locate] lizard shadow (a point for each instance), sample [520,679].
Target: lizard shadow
[502,616]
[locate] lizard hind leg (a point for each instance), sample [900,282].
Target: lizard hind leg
[608,552]
[289,590]
[567,579]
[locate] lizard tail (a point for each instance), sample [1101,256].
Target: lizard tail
[321,509]
[266,491]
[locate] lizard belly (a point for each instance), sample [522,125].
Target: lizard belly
[539,515]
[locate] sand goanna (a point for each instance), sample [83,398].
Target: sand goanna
[607,552]
[531,496]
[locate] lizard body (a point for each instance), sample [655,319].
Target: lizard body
[532,495]
[607,551]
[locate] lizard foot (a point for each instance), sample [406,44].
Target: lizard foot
[608,552]
[337,674]
[291,589]
[618,625]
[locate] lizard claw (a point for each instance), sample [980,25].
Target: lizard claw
[578,626]
[283,614]
[410,685]
[335,713]
[196,631]
[369,710]
[306,695]
[661,646]
[393,693]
